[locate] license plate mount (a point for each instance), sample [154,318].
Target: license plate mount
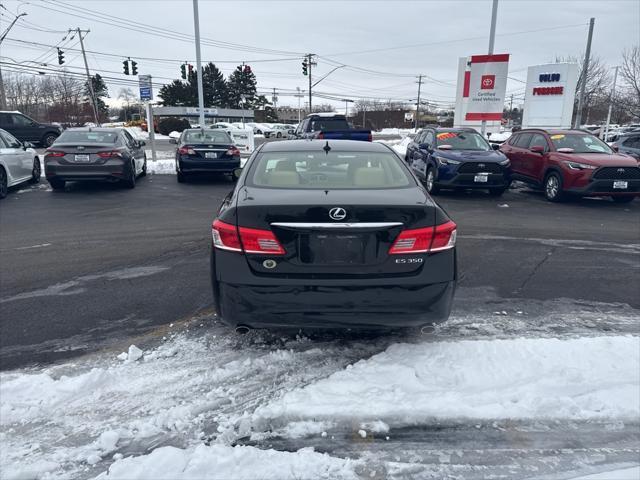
[334,249]
[82,158]
[620,185]
[481,178]
[210,154]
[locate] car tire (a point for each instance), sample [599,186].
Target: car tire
[36,171]
[4,183]
[181,177]
[553,187]
[130,181]
[279,135]
[48,139]
[144,168]
[430,182]
[57,184]
[626,199]
[497,192]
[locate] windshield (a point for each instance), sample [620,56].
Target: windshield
[335,170]
[199,136]
[462,141]
[580,143]
[87,136]
[329,123]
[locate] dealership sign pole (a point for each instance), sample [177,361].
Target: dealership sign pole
[492,39]
[146,95]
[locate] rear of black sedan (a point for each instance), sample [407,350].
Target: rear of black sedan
[324,234]
[205,151]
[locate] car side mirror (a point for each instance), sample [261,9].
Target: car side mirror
[173,140]
[424,146]
[615,148]
[142,143]
[495,146]
[537,149]
[237,172]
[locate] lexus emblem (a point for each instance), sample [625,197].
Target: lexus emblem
[621,170]
[337,213]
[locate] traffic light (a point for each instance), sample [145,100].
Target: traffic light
[134,67]
[247,69]
[60,57]
[183,71]
[305,70]
[190,69]
[125,67]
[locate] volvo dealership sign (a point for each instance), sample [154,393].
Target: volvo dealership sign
[482,84]
[550,95]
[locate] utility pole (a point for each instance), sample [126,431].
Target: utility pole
[419,82]
[611,100]
[299,96]
[492,41]
[309,63]
[3,96]
[196,28]
[274,99]
[585,75]
[94,103]
[511,109]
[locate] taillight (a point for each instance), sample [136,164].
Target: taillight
[428,239]
[234,152]
[321,135]
[444,237]
[225,236]
[110,154]
[186,151]
[249,240]
[54,153]
[370,137]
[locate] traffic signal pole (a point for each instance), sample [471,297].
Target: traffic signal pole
[309,57]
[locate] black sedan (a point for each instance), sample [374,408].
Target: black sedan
[108,154]
[205,151]
[336,233]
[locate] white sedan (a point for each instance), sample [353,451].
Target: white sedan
[18,163]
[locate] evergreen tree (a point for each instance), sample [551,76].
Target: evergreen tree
[214,87]
[177,94]
[100,91]
[181,93]
[242,83]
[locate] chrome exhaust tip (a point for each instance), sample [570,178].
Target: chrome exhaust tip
[242,329]
[427,329]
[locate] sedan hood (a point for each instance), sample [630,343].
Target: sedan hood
[471,155]
[599,159]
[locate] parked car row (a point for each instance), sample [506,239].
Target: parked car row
[560,162]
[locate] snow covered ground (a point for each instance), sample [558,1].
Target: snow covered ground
[205,401]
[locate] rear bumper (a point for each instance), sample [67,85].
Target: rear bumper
[111,170]
[243,298]
[188,165]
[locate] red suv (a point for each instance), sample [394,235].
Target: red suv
[564,162]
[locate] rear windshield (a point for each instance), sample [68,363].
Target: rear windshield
[335,170]
[200,136]
[463,141]
[580,143]
[328,124]
[69,136]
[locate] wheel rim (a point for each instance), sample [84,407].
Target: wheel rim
[552,186]
[36,169]
[429,180]
[3,183]
[49,140]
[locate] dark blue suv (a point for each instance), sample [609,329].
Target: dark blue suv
[457,158]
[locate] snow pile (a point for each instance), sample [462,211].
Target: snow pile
[175,134]
[132,355]
[394,131]
[581,378]
[219,461]
[400,146]
[623,474]
[165,163]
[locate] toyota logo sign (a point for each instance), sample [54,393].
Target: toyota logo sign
[337,213]
[620,170]
[487,82]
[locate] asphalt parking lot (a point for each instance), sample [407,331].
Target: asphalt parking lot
[97,264]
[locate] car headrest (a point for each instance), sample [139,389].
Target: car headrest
[283,178]
[286,166]
[369,177]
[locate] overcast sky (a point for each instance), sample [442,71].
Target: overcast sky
[409,38]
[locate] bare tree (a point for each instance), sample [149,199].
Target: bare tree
[630,75]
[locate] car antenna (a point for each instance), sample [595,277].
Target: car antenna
[327,148]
